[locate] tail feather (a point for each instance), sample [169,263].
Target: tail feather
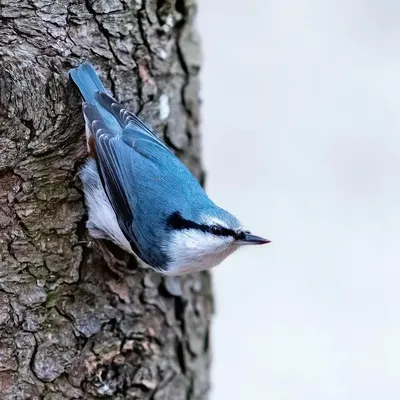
[87,81]
[89,84]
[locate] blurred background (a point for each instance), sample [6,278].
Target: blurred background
[301,124]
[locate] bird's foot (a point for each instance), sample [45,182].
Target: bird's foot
[83,243]
[119,267]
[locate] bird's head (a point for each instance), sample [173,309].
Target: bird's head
[204,240]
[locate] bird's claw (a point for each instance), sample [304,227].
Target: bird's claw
[83,243]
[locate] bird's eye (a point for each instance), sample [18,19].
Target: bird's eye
[240,235]
[215,230]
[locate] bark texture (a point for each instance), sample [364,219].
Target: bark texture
[80,323]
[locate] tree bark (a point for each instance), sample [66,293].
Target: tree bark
[79,322]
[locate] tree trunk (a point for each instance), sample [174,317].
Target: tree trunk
[79,322]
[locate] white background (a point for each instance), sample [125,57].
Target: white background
[301,124]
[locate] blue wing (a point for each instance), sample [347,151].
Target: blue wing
[113,158]
[133,127]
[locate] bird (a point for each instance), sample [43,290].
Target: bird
[141,197]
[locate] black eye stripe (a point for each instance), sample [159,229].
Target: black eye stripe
[176,221]
[216,230]
[221,231]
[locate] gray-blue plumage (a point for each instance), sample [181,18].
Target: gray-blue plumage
[151,192]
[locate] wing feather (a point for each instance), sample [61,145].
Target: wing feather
[112,156]
[134,127]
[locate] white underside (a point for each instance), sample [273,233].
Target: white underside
[191,250]
[102,222]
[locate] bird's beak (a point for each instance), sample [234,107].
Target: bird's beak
[253,239]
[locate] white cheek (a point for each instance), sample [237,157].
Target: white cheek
[192,250]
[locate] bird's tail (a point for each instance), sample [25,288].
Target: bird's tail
[87,81]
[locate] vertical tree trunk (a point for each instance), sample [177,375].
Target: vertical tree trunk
[71,326]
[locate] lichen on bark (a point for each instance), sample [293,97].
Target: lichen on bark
[76,322]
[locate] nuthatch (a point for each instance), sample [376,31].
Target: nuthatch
[141,197]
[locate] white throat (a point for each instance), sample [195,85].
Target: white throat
[192,250]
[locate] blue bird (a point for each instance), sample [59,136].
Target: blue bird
[141,197]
